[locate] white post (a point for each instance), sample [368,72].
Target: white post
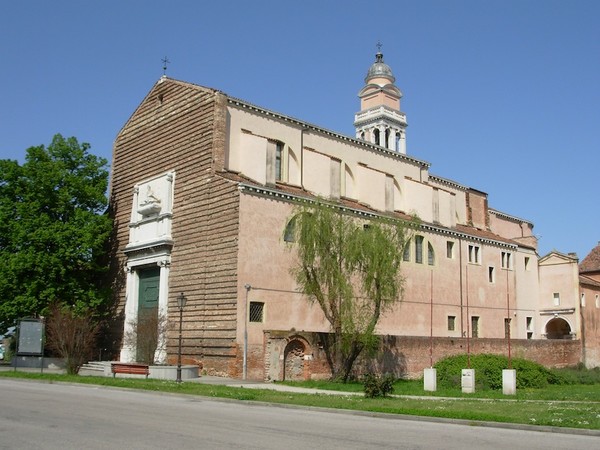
[468,381]
[430,379]
[509,382]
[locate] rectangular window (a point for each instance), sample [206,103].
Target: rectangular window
[582,299]
[491,275]
[475,326]
[419,249]
[450,249]
[556,298]
[507,327]
[474,254]
[278,160]
[529,327]
[451,323]
[506,260]
[597,301]
[527,263]
[430,254]
[256,311]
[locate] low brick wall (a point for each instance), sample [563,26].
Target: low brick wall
[407,356]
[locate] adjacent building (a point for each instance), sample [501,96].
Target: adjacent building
[204,185]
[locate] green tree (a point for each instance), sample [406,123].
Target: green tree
[53,230]
[351,268]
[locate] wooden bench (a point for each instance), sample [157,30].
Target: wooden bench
[129,368]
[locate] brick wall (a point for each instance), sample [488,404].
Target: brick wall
[407,356]
[181,127]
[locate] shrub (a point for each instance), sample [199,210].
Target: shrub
[377,385]
[146,334]
[71,336]
[488,372]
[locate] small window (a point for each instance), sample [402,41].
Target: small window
[451,323]
[450,249]
[597,301]
[256,311]
[491,275]
[430,254]
[556,298]
[529,322]
[406,253]
[290,231]
[507,327]
[474,254]
[419,249]
[527,263]
[582,299]
[278,160]
[506,260]
[475,326]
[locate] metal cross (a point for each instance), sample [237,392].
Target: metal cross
[379,45]
[165,61]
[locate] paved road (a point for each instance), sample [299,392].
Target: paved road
[58,416]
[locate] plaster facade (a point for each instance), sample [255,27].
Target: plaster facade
[219,179]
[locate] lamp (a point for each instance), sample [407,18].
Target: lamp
[181,300]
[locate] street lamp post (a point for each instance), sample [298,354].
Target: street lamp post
[181,299]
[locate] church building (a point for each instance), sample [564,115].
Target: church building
[204,185]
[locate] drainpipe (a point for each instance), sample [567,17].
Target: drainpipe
[245,360]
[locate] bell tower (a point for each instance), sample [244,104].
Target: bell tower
[380,120]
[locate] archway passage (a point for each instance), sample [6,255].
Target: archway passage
[558,328]
[294,361]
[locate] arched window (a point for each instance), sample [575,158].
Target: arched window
[430,254]
[290,231]
[397,146]
[406,253]
[419,249]
[376,137]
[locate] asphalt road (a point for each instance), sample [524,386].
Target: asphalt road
[58,416]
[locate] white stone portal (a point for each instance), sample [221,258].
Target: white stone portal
[149,246]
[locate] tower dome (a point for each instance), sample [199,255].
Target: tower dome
[379,69]
[380,120]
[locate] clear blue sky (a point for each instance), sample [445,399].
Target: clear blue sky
[502,96]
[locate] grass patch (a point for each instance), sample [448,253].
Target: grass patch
[534,407]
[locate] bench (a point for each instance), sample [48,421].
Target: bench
[129,368]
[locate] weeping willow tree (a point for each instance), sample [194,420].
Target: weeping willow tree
[351,269]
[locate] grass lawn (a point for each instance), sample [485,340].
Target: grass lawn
[562,406]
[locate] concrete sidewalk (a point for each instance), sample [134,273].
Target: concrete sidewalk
[253,384]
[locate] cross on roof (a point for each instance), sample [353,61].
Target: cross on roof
[165,61]
[379,45]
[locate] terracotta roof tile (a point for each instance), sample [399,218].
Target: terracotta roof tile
[588,281]
[591,263]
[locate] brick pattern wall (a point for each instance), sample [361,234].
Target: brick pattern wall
[181,127]
[407,356]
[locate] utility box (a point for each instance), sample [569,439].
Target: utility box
[509,382]
[430,379]
[467,381]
